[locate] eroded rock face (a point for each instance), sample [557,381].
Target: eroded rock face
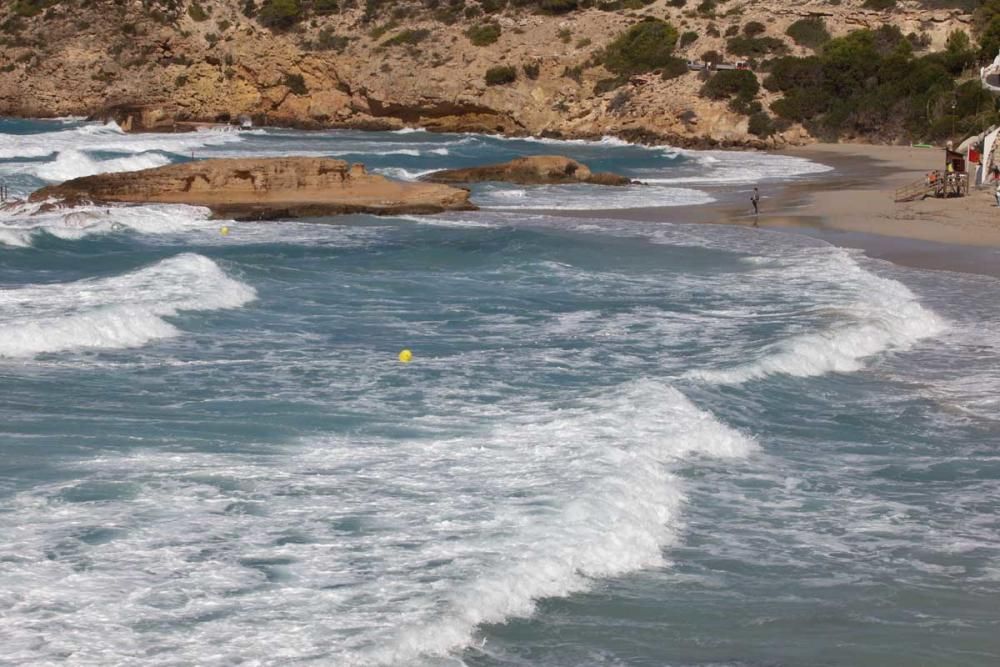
[150,70]
[534,170]
[264,188]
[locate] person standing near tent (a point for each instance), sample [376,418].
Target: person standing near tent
[754,199]
[997,194]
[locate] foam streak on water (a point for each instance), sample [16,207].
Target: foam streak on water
[124,311]
[454,533]
[883,315]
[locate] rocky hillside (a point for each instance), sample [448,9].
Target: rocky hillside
[569,68]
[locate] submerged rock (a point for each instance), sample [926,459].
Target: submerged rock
[264,188]
[534,170]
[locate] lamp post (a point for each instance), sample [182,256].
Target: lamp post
[954,107]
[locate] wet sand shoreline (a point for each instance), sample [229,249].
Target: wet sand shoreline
[853,206]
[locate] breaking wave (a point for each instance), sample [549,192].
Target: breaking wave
[119,312]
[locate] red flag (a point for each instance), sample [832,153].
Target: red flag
[973,155]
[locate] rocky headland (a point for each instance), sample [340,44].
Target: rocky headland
[263,188]
[560,68]
[534,170]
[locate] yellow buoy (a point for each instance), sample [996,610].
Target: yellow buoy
[405,356]
[224,231]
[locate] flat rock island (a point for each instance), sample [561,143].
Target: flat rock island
[534,170]
[264,188]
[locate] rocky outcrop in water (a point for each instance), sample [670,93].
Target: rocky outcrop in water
[534,170]
[264,188]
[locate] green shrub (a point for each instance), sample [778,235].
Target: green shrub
[531,70]
[754,28]
[609,84]
[296,84]
[325,6]
[280,14]
[754,46]
[500,75]
[810,33]
[557,6]
[729,83]
[706,7]
[329,41]
[687,38]
[12,25]
[197,12]
[407,37]
[789,73]
[879,4]
[989,40]
[575,73]
[760,124]
[869,83]
[674,68]
[643,47]
[483,34]
[28,8]
[676,3]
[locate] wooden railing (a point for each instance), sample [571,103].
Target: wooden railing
[949,185]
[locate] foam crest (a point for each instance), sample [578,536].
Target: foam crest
[619,520]
[883,315]
[21,224]
[737,167]
[402,173]
[118,312]
[441,535]
[111,138]
[586,198]
[70,164]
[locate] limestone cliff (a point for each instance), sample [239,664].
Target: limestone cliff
[393,64]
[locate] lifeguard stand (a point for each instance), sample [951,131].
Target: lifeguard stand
[956,179]
[952,181]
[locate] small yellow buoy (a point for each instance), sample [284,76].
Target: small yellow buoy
[405,356]
[224,231]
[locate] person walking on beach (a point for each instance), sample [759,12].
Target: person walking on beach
[753,200]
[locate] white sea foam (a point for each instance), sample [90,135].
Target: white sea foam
[73,163]
[586,198]
[739,167]
[403,174]
[877,315]
[15,238]
[21,224]
[110,137]
[349,550]
[118,312]
[618,522]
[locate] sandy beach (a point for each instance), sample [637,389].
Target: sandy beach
[860,198]
[854,206]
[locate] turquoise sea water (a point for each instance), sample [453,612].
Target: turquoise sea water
[619,443]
